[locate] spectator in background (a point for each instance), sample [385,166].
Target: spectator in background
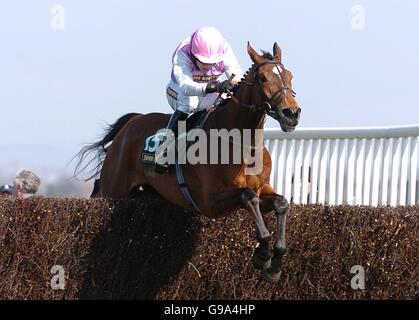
[26,184]
[6,190]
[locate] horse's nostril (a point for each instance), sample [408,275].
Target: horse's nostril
[290,113]
[287,113]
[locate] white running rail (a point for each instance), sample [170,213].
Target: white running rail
[358,166]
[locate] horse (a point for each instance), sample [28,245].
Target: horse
[218,189]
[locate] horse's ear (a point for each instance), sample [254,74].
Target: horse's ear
[256,58]
[277,53]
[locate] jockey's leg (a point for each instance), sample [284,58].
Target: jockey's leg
[183,106]
[176,116]
[179,101]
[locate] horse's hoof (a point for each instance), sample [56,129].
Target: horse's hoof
[261,263]
[271,276]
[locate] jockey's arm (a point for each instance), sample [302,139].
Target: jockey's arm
[183,76]
[232,66]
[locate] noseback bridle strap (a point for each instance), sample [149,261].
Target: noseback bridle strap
[267,105]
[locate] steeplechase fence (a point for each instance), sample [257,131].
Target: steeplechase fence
[356,166]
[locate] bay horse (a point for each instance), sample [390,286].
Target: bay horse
[218,189]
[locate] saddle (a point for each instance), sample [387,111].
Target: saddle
[153,142]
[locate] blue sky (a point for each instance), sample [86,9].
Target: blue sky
[58,88]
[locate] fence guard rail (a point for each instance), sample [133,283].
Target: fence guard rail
[358,166]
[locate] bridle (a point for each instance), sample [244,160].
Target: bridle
[267,102]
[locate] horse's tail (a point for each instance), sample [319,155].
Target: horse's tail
[99,148]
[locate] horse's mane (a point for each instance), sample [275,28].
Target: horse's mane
[267,55]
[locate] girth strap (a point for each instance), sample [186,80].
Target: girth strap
[184,187]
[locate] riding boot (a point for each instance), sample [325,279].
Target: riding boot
[177,116]
[172,125]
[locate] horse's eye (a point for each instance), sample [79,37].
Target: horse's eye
[263,78]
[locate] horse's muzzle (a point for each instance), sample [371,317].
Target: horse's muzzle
[288,118]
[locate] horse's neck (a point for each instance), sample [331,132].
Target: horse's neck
[234,116]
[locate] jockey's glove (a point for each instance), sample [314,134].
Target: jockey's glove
[219,87]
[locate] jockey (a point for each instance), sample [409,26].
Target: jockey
[198,63]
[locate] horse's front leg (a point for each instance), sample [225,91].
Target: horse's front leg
[275,202]
[262,256]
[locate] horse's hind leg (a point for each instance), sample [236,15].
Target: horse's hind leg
[280,205]
[262,256]
[95,191]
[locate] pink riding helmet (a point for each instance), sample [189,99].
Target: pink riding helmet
[208,45]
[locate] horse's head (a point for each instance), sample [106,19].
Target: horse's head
[272,88]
